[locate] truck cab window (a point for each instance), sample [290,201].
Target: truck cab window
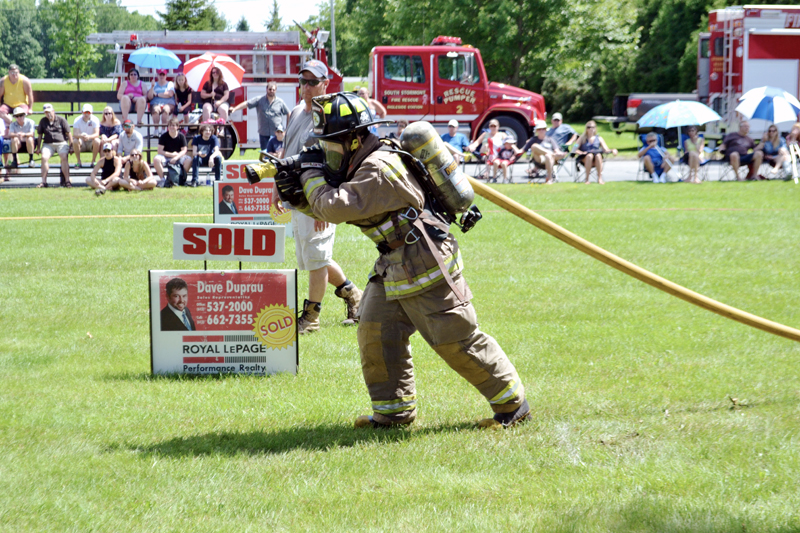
[719,46]
[403,68]
[460,67]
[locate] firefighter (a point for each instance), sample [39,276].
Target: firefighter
[415,285]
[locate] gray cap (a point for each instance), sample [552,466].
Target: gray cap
[557,116]
[315,67]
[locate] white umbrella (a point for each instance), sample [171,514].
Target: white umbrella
[769,103]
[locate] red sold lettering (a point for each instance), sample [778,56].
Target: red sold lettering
[238,243]
[219,241]
[191,235]
[233,172]
[263,242]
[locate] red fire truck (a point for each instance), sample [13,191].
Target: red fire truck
[266,56]
[446,81]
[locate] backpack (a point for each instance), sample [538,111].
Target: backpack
[176,175]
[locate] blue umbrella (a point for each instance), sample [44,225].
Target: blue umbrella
[769,103]
[154,57]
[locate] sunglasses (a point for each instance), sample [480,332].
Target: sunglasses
[106,150]
[313,82]
[107,113]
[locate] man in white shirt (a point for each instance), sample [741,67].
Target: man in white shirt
[85,130]
[21,132]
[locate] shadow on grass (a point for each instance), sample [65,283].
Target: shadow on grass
[318,438]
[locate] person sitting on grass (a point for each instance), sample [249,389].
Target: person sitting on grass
[55,138]
[137,176]
[110,130]
[656,160]
[776,153]
[736,146]
[205,151]
[109,168]
[172,148]
[506,156]
[85,130]
[591,148]
[21,132]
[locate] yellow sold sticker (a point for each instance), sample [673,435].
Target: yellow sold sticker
[275,327]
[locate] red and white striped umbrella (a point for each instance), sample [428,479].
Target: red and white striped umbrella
[198,70]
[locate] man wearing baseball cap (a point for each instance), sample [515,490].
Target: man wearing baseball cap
[85,130]
[21,132]
[55,138]
[109,167]
[545,151]
[455,139]
[314,239]
[129,141]
[562,133]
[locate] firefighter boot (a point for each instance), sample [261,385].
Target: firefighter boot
[352,298]
[506,420]
[309,319]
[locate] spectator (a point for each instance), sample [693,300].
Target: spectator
[458,141]
[130,141]
[506,156]
[205,151]
[656,160]
[162,102]
[271,111]
[85,130]
[5,144]
[489,142]
[545,150]
[130,94]
[776,152]
[214,96]
[375,106]
[109,168]
[183,96]
[275,144]
[21,131]
[172,149]
[16,92]
[138,176]
[54,138]
[110,130]
[794,135]
[401,127]
[736,146]
[563,134]
[693,152]
[591,148]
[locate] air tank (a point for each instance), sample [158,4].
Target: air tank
[450,184]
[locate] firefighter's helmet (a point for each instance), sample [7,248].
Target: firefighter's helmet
[341,113]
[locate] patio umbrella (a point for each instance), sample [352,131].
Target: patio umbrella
[769,103]
[198,70]
[154,57]
[676,114]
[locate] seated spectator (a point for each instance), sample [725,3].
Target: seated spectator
[5,144]
[172,149]
[776,152]
[109,168]
[563,134]
[183,97]
[656,159]
[214,96]
[21,132]
[489,142]
[16,92]
[85,130]
[736,146]
[275,143]
[162,102]
[545,151]
[110,130]
[506,156]
[375,106]
[794,135]
[456,140]
[591,148]
[138,176]
[130,141]
[205,151]
[401,126]
[694,153]
[131,94]
[54,138]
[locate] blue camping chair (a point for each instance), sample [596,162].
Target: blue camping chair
[642,174]
[702,171]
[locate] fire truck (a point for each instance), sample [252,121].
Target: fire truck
[447,80]
[265,56]
[745,47]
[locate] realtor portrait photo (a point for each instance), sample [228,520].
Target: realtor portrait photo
[226,206]
[175,316]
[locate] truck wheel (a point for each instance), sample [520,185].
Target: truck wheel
[513,127]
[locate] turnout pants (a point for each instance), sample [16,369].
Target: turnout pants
[450,327]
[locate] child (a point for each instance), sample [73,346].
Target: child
[505,156]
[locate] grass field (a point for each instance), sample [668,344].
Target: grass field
[648,414]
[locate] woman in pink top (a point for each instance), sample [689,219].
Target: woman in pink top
[131,91]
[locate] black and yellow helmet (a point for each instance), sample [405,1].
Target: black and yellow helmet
[341,113]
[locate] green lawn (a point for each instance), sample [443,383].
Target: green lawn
[634,427]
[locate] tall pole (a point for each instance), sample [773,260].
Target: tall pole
[333,38]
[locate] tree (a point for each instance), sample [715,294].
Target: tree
[77,20]
[19,38]
[274,23]
[110,17]
[192,15]
[242,25]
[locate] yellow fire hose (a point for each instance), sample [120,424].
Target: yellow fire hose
[629,268]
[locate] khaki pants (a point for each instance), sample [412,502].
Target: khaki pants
[450,328]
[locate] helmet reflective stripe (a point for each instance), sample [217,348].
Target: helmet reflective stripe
[406,403]
[507,394]
[424,280]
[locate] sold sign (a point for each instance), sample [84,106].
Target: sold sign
[228,242]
